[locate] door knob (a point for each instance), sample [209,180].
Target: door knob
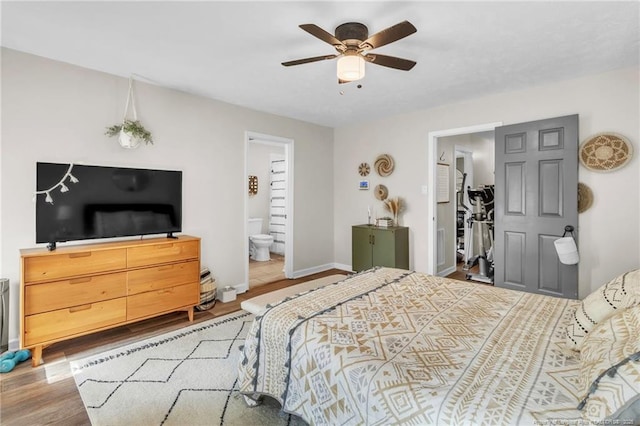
[569,229]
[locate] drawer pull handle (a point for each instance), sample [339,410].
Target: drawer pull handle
[165,292]
[164,246]
[83,254]
[79,308]
[80,280]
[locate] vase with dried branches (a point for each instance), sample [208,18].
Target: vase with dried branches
[394,206]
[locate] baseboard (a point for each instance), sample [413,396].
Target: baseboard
[343,267]
[14,345]
[447,271]
[310,271]
[241,288]
[320,268]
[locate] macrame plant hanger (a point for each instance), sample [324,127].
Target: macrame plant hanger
[126,139]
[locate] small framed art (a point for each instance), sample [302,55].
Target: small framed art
[364,184]
[442,183]
[253,185]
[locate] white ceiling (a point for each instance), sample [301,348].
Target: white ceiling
[231,51]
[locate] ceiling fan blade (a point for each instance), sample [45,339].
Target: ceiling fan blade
[389,35]
[389,61]
[307,60]
[318,32]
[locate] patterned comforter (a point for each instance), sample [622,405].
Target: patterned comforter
[389,346]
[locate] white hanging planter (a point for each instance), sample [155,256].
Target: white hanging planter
[128,140]
[130,133]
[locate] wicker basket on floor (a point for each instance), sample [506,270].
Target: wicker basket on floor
[207,290]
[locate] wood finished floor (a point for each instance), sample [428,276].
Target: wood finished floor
[461,275]
[47,394]
[261,273]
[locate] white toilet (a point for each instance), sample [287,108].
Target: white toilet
[258,243]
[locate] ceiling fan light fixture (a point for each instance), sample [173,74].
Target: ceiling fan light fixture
[350,67]
[353,43]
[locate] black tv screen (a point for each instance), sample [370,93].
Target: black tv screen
[78,202]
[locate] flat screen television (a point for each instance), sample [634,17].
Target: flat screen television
[80,202]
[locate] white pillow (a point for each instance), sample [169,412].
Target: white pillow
[610,369]
[619,293]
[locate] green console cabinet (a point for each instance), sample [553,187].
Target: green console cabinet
[374,246]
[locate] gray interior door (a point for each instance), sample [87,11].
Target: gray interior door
[536,196]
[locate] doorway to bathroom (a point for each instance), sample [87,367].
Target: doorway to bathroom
[269,208]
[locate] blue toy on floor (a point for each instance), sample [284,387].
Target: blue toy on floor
[9,360]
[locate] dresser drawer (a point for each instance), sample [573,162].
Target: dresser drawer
[154,254]
[165,300]
[56,325]
[73,292]
[57,266]
[159,277]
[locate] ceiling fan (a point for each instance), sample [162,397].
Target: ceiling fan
[353,44]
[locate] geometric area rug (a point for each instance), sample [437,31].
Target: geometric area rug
[185,377]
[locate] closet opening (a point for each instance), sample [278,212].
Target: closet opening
[461,166]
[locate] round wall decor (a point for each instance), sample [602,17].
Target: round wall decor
[605,152]
[363,169]
[384,165]
[585,197]
[381,192]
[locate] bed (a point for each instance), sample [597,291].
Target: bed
[389,346]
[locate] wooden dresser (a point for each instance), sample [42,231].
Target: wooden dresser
[81,289]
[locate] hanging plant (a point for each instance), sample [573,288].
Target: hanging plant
[131,128]
[131,132]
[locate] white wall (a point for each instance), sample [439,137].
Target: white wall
[52,111]
[609,231]
[259,164]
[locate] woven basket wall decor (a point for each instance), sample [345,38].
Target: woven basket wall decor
[605,152]
[384,165]
[381,192]
[585,197]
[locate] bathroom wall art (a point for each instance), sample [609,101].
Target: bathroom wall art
[253,185]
